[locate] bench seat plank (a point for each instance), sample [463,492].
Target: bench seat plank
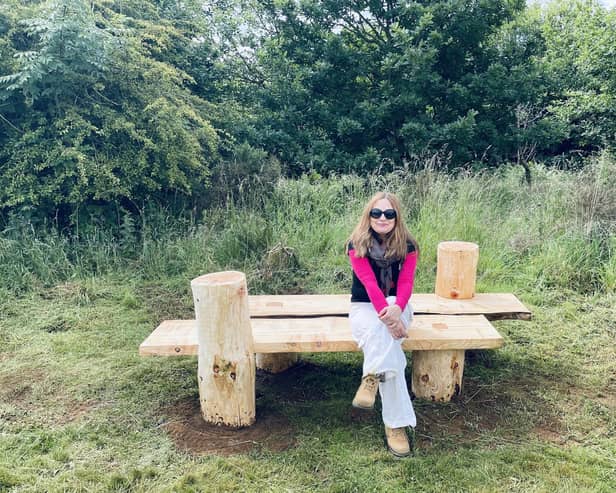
[494,306]
[428,332]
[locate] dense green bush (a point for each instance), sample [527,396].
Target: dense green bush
[363,86]
[579,38]
[110,108]
[93,111]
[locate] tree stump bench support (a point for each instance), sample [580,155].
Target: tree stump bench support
[231,328]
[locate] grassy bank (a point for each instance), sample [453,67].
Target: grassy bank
[80,411]
[557,233]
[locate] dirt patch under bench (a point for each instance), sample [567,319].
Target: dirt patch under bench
[192,434]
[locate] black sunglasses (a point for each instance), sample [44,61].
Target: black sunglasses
[389,213]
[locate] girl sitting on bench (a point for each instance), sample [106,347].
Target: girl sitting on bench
[383,256]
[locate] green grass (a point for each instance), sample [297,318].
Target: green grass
[81,411]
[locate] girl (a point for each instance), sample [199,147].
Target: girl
[383,256]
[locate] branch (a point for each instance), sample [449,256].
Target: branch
[373,28]
[4,119]
[259,77]
[360,33]
[385,25]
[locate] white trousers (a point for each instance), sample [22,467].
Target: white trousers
[384,355]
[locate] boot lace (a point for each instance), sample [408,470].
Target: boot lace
[397,433]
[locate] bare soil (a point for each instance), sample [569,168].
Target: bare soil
[271,431]
[17,388]
[193,435]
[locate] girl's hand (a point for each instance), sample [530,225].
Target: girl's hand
[398,330]
[390,314]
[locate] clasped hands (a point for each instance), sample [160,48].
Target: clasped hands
[390,316]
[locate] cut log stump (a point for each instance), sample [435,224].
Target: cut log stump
[456,269]
[437,375]
[226,367]
[276,362]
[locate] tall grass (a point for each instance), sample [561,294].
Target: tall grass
[81,411]
[557,234]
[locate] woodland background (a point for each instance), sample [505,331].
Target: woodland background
[108,107]
[144,143]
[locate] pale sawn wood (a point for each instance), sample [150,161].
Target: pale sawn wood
[495,306]
[437,375]
[226,361]
[276,362]
[456,269]
[329,334]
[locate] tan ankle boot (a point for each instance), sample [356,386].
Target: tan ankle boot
[397,441]
[366,393]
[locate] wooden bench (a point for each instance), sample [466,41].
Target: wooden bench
[318,323]
[231,327]
[328,334]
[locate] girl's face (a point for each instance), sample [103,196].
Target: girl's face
[381,225]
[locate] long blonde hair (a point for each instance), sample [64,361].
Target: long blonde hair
[397,238]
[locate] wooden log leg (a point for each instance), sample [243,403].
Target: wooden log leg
[226,366]
[437,375]
[276,362]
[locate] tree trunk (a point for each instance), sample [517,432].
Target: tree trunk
[226,369]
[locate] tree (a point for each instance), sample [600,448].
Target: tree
[580,38]
[96,110]
[358,85]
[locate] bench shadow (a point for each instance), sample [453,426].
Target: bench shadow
[493,406]
[317,393]
[504,397]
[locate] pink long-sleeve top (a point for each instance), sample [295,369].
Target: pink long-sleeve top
[366,286]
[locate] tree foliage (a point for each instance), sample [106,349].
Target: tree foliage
[580,38]
[95,109]
[126,102]
[360,84]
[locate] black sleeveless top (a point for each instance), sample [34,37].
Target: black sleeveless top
[358,291]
